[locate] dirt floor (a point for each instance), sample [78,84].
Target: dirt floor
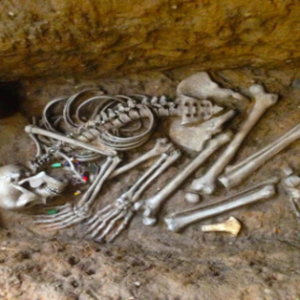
[151,263]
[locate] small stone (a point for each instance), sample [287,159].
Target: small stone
[137,283]
[296,83]
[192,198]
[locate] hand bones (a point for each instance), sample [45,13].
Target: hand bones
[103,222]
[73,214]
[263,101]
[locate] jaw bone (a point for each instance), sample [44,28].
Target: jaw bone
[153,204]
[232,225]
[263,101]
[179,220]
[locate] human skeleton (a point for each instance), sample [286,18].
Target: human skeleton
[97,128]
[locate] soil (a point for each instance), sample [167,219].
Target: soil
[152,263]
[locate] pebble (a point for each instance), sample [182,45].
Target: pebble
[296,83]
[192,198]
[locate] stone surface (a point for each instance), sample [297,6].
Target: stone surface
[112,38]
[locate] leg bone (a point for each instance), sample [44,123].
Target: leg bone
[239,174]
[178,221]
[207,183]
[153,204]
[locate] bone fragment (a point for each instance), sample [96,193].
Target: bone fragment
[244,170]
[232,225]
[291,185]
[201,86]
[192,198]
[179,220]
[162,146]
[207,183]
[153,204]
[194,137]
[102,150]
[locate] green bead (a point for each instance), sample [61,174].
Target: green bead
[52,212]
[56,165]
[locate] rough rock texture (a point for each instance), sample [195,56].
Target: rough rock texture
[109,37]
[144,263]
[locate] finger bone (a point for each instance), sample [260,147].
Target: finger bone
[232,225]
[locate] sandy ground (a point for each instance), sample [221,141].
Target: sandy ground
[151,263]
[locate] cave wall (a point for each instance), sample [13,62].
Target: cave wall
[108,38]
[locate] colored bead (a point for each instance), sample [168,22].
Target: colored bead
[77,193]
[76,162]
[52,212]
[56,165]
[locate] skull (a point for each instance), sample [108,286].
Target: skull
[17,190]
[194,110]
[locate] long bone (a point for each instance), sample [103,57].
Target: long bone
[207,183]
[102,150]
[180,220]
[153,204]
[103,222]
[244,170]
[232,225]
[72,214]
[231,168]
[162,146]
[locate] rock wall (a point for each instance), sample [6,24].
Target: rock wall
[109,37]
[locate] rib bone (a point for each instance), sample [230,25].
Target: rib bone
[246,168]
[232,225]
[153,204]
[263,101]
[179,220]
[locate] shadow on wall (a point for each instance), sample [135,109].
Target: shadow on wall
[10,97]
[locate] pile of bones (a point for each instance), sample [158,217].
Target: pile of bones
[90,130]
